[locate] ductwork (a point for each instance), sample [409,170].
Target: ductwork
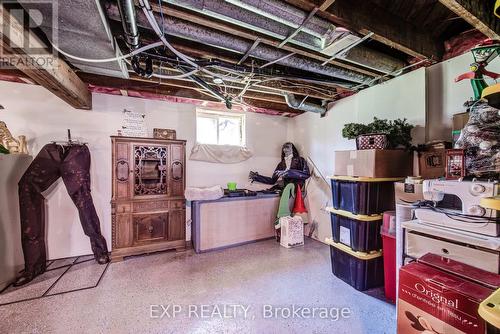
[294,103]
[128,18]
[82,29]
[278,19]
[191,31]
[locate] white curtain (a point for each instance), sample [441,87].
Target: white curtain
[225,154]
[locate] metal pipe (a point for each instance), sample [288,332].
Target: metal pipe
[292,102]
[192,31]
[129,23]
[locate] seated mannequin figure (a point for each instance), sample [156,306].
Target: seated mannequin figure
[292,168]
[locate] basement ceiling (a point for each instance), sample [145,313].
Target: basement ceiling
[287,57]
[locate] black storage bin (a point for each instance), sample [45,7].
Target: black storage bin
[360,232]
[363,196]
[362,271]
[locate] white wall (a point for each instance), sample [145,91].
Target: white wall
[318,138]
[35,112]
[42,117]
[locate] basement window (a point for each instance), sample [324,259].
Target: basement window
[220,128]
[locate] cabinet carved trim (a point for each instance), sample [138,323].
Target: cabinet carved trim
[150,170]
[148,209]
[177,170]
[122,170]
[113,231]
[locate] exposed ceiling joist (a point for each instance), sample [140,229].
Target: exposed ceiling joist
[477,13]
[43,68]
[247,34]
[364,16]
[326,3]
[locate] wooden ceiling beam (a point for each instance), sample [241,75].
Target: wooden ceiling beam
[364,16]
[478,13]
[178,88]
[327,3]
[43,68]
[140,84]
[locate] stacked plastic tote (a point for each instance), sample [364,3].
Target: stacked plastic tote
[356,215]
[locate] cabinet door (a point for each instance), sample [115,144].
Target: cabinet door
[122,230]
[177,170]
[150,170]
[177,225]
[122,168]
[151,227]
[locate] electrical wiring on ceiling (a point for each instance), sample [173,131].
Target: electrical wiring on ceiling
[107,60]
[249,78]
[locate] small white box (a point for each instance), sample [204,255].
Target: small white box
[292,231]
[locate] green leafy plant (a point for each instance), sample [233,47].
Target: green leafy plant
[398,131]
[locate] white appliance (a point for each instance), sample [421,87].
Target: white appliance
[471,217]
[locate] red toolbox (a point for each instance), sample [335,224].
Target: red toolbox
[388,233]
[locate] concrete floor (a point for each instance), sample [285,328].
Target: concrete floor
[250,276]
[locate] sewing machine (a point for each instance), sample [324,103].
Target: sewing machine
[471,217]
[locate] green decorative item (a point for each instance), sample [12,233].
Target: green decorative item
[284,206]
[231,186]
[398,131]
[483,54]
[3,150]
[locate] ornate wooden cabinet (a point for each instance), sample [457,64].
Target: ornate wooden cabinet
[148,207]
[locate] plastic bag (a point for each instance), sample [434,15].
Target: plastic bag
[480,138]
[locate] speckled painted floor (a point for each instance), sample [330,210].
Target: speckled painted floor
[261,277]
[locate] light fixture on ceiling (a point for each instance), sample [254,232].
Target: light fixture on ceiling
[218,81]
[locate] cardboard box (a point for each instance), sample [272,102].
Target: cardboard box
[459,121]
[408,192]
[439,295]
[432,164]
[373,163]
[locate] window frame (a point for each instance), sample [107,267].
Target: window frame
[223,114]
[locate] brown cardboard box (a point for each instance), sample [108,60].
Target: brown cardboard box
[408,192]
[431,164]
[439,295]
[459,121]
[373,163]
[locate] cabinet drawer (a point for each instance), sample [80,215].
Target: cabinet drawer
[123,208]
[418,245]
[177,204]
[151,206]
[150,227]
